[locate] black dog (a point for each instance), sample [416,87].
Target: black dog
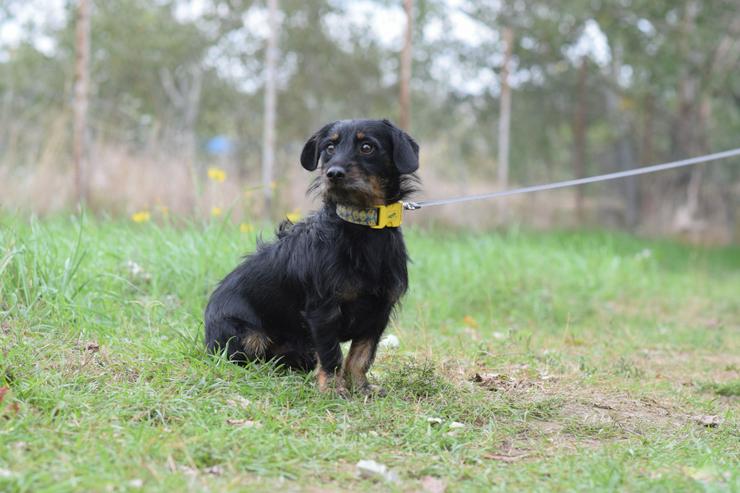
[327,279]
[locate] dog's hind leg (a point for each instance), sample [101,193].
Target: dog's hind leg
[294,358]
[240,342]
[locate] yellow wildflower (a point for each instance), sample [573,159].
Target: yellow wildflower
[141,216]
[216,211]
[294,216]
[470,321]
[216,174]
[246,228]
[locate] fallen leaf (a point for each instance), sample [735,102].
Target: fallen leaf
[430,484]
[494,381]
[93,347]
[239,401]
[245,423]
[3,391]
[506,458]
[706,474]
[712,421]
[600,405]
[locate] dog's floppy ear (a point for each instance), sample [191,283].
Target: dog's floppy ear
[405,150]
[310,152]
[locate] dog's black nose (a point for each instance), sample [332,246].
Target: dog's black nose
[335,173]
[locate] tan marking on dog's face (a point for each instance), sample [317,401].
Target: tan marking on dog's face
[256,344]
[357,188]
[360,135]
[334,136]
[376,187]
[360,357]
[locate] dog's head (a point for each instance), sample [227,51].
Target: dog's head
[363,162]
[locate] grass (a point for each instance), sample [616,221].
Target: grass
[594,353]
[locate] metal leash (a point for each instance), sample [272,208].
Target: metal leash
[412,206]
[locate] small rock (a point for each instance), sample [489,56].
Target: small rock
[390,342]
[138,271]
[21,446]
[214,470]
[374,470]
[456,425]
[136,483]
[430,484]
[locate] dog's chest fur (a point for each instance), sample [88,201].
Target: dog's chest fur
[327,258]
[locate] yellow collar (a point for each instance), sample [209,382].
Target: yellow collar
[379,217]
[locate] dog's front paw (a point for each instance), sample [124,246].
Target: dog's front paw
[370,390]
[332,384]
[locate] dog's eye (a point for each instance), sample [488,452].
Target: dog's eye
[366,148]
[330,149]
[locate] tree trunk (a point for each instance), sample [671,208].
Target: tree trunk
[405,75]
[268,134]
[81,95]
[504,122]
[647,186]
[579,135]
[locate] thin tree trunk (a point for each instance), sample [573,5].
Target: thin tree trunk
[579,135]
[405,79]
[504,122]
[647,185]
[81,95]
[268,135]
[623,148]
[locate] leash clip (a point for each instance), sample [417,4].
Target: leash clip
[411,206]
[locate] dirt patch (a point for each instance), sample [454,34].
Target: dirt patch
[562,412]
[688,368]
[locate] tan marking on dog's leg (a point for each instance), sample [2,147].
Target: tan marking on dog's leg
[360,357]
[331,383]
[256,344]
[323,379]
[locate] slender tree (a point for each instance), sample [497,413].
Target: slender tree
[81,94]
[405,79]
[504,122]
[579,133]
[268,133]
